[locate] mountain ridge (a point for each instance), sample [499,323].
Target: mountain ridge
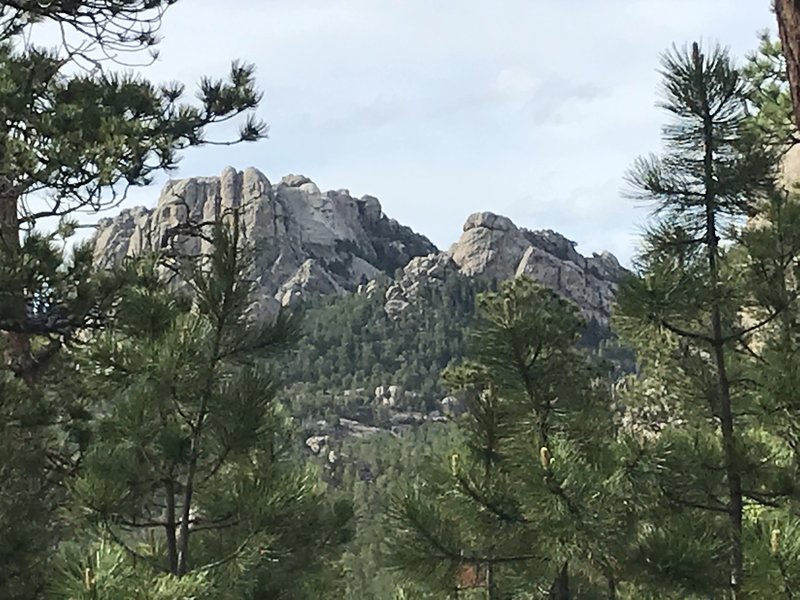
[310,243]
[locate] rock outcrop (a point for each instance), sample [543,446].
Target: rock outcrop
[309,243]
[389,395]
[420,272]
[491,248]
[306,242]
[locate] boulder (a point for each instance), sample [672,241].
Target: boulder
[389,395]
[316,443]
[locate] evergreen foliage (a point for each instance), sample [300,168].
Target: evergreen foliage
[190,469]
[524,503]
[152,430]
[349,343]
[713,280]
[74,135]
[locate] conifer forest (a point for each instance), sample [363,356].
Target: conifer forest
[257,390]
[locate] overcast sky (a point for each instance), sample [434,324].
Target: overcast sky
[528,108]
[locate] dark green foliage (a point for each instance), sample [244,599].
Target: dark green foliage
[74,135]
[190,468]
[533,485]
[27,499]
[73,140]
[769,101]
[714,277]
[350,343]
[152,433]
[370,471]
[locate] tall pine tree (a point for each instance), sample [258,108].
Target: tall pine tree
[528,503]
[690,314]
[191,469]
[74,135]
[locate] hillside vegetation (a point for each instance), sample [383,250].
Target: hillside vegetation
[257,391]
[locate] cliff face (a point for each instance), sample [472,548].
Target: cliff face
[309,243]
[491,247]
[306,242]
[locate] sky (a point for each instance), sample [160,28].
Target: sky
[531,109]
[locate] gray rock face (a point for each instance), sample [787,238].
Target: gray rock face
[420,272]
[590,282]
[309,243]
[306,242]
[492,248]
[309,280]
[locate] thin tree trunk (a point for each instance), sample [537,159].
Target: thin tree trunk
[735,500]
[18,353]
[183,536]
[172,543]
[560,588]
[491,587]
[188,495]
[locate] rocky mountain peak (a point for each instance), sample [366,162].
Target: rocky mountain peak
[488,220]
[306,242]
[309,243]
[493,248]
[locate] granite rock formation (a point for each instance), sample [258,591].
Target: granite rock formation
[309,243]
[492,248]
[306,242]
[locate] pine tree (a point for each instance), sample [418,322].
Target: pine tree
[190,469]
[75,135]
[528,501]
[690,313]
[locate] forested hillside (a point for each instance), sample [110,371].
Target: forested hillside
[366,441]
[350,346]
[350,343]
[269,392]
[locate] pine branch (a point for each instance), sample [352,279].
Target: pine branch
[489,505]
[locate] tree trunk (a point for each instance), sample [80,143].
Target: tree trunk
[732,475]
[186,514]
[788,14]
[491,588]
[172,543]
[18,351]
[560,588]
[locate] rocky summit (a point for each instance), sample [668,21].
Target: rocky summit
[309,243]
[306,242]
[492,248]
